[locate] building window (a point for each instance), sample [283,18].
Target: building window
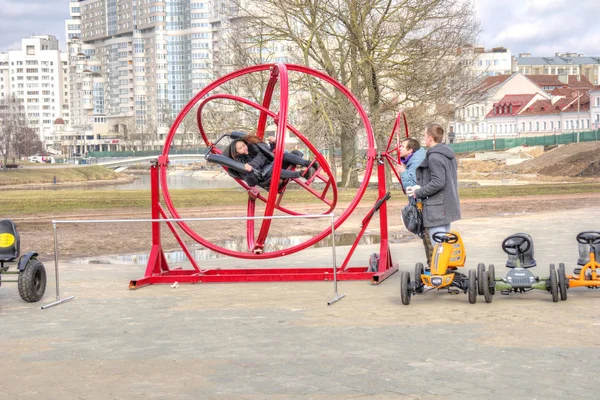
[544,125]
[30,50]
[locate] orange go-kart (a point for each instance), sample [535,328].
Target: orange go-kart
[587,273]
[448,255]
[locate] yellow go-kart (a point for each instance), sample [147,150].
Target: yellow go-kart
[448,255]
[587,273]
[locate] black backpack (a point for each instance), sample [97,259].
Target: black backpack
[413,219]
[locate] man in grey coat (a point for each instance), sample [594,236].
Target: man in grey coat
[437,183]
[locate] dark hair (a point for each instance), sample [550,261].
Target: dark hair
[247,140]
[412,144]
[436,132]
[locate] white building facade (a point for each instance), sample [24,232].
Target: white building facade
[38,74]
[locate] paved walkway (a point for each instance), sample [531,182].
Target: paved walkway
[281,340]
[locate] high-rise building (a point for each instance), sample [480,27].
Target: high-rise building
[37,74]
[138,61]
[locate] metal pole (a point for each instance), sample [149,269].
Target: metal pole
[58,300]
[335,287]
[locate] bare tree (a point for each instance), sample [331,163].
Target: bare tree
[13,122]
[392,54]
[27,143]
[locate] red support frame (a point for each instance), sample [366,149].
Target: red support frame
[158,270]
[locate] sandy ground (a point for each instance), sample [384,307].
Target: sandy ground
[95,239]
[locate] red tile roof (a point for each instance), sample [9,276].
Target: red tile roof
[489,83]
[568,104]
[546,80]
[582,82]
[517,101]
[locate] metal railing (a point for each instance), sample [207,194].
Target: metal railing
[55,224]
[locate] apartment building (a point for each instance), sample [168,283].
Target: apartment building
[561,64]
[37,74]
[488,62]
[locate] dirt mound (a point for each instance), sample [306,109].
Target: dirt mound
[572,160]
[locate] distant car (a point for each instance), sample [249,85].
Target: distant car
[38,159]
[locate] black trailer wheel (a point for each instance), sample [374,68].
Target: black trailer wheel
[472,286]
[486,287]
[563,283]
[492,278]
[480,282]
[405,287]
[32,281]
[419,270]
[553,282]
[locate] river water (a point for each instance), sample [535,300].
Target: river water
[180,180]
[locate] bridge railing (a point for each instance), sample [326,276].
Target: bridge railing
[136,153]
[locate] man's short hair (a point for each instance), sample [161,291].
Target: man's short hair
[412,144]
[435,131]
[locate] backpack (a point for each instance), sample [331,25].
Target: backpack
[413,219]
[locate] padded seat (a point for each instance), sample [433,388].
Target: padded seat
[9,241]
[526,258]
[584,255]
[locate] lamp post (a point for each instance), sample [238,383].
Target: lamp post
[578,115]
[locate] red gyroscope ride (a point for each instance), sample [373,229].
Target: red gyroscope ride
[380,265]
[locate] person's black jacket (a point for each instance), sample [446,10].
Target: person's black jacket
[259,157]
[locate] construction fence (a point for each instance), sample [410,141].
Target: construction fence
[508,143]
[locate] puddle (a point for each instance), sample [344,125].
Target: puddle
[278,243]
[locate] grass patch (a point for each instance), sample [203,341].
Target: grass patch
[46,175]
[24,202]
[527,190]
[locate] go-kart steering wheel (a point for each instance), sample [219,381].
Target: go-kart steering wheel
[589,237]
[516,244]
[447,237]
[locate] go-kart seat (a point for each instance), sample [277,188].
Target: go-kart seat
[9,242]
[584,253]
[526,257]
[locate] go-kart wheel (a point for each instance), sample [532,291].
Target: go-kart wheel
[563,282]
[472,286]
[419,270]
[480,282]
[492,278]
[405,287]
[32,281]
[485,277]
[553,282]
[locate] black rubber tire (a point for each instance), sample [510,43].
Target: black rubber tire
[492,277]
[553,283]
[32,281]
[480,282]
[472,286]
[563,283]
[419,270]
[486,287]
[405,289]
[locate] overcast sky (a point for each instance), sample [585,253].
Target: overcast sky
[540,27]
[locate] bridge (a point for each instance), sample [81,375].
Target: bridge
[122,164]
